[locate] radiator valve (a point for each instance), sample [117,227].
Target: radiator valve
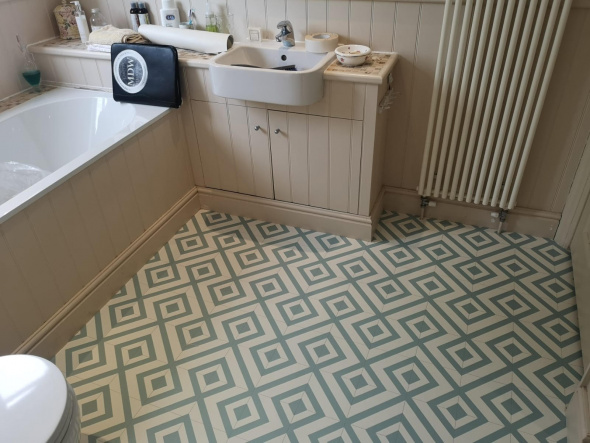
[501,218]
[423,204]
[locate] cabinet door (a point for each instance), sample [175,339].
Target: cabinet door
[260,152]
[316,160]
[235,156]
[277,121]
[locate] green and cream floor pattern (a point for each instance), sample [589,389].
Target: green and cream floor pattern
[244,330]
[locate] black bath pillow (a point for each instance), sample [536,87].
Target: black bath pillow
[145,74]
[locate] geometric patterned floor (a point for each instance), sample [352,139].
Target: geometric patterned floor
[244,330]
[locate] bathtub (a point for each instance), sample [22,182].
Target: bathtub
[63,131]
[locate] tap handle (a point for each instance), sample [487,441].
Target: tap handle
[285,24]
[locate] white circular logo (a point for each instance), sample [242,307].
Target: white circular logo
[130,71]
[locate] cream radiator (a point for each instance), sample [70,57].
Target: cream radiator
[494,65]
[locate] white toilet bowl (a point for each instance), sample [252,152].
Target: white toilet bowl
[36,402]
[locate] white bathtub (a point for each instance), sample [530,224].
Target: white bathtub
[63,131]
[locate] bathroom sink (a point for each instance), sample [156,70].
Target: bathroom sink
[300,87]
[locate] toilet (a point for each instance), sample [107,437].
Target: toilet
[37,405]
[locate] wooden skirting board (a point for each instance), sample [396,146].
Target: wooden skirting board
[307,217]
[56,332]
[524,221]
[578,412]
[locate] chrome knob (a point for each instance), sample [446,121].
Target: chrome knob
[257,128]
[277,131]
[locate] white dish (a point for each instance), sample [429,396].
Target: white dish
[352,55]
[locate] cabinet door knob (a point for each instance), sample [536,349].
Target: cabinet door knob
[277,131]
[257,128]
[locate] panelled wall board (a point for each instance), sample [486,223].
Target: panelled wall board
[411,28]
[31,20]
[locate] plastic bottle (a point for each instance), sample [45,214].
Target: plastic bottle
[144,17]
[97,20]
[169,14]
[210,20]
[133,14]
[81,22]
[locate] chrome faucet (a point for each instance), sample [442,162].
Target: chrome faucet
[286,34]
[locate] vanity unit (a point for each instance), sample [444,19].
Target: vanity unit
[316,166]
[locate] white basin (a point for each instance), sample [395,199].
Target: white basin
[295,88]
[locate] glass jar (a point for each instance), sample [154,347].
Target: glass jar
[211,23]
[97,20]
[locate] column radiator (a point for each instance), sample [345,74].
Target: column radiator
[494,65]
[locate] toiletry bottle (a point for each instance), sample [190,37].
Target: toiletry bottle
[192,19]
[144,17]
[169,14]
[97,20]
[81,22]
[65,16]
[210,20]
[134,15]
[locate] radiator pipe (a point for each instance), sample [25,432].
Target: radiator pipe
[434,99]
[502,218]
[540,102]
[423,203]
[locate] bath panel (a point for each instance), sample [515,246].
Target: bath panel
[55,244]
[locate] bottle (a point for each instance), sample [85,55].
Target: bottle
[65,17]
[81,22]
[210,20]
[97,20]
[192,18]
[169,14]
[144,17]
[134,15]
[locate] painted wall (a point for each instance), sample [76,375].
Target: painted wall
[411,28]
[30,19]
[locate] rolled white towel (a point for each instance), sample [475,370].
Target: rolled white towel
[110,34]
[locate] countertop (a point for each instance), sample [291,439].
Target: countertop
[22,97]
[374,71]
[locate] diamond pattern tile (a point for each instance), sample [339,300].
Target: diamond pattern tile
[245,330]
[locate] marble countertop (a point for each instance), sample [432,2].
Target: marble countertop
[22,97]
[75,48]
[373,71]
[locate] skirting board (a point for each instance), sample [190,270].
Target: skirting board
[292,214]
[576,415]
[524,221]
[56,332]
